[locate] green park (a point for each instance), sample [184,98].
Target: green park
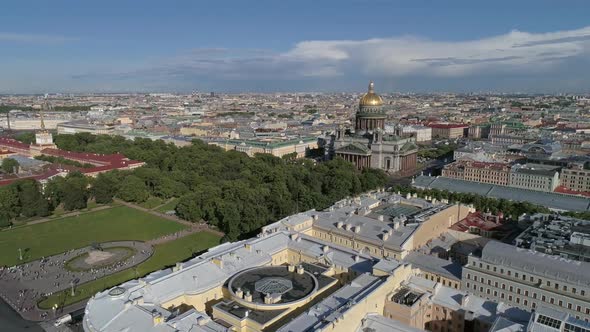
[53,237]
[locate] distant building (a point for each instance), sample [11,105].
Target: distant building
[448,130]
[478,131]
[576,178]
[369,145]
[85,127]
[534,177]
[493,173]
[277,147]
[422,133]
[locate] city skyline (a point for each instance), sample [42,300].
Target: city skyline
[282,47]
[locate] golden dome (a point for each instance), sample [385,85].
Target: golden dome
[371,98]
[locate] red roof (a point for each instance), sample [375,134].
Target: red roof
[477,219]
[12,143]
[38,177]
[564,190]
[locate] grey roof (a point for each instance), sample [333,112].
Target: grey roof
[373,230]
[537,263]
[505,325]
[334,306]
[551,200]
[378,323]
[434,264]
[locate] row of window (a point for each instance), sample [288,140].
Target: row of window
[523,277]
[525,302]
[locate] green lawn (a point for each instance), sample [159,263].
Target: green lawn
[166,254]
[59,235]
[168,206]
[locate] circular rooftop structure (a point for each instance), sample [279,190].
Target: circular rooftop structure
[272,286]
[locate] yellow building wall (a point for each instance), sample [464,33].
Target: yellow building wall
[436,225]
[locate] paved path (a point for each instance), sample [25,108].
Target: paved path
[24,285]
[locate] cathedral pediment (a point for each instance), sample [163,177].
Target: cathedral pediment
[355,148]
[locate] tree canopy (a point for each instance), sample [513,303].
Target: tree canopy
[236,193]
[10,165]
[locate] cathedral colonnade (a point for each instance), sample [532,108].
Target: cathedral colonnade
[358,160]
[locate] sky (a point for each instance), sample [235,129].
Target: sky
[287,45]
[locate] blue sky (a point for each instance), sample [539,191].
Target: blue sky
[321,45]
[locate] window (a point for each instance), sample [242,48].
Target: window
[548,321]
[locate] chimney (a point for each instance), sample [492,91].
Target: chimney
[357,228]
[380,218]
[300,269]
[385,236]
[157,318]
[339,224]
[348,227]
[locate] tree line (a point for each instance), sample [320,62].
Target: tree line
[230,190]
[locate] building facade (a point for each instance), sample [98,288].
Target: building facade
[448,130]
[576,178]
[492,173]
[529,279]
[534,177]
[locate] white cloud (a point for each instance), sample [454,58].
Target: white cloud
[409,55]
[515,52]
